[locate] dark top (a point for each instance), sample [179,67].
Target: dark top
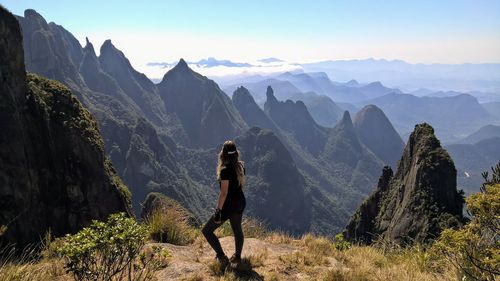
[235,200]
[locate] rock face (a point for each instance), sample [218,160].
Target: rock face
[378,134]
[205,112]
[53,172]
[415,204]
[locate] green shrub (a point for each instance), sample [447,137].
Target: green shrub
[340,243]
[111,250]
[475,248]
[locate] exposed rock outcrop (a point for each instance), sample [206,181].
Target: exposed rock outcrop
[419,201]
[53,172]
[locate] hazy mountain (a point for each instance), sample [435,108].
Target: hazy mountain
[396,73]
[273,176]
[486,132]
[284,89]
[493,108]
[212,62]
[270,60]
[473,159]
[323,110]
[205,112]
[344,153]
[452,117]
[416,203]
[250,111]
[54,175]
[294,117]
[377,133]
[320,83]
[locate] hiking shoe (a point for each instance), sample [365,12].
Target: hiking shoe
[235,259]
[222,259]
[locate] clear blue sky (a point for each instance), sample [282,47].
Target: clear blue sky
[417,31]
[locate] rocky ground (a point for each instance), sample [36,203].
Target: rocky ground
[262,260]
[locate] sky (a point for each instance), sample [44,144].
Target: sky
[423,31]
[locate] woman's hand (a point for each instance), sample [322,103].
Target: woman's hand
[218,216]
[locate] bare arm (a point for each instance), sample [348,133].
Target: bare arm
[224,185]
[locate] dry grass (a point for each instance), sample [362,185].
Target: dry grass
[252,228]
[26,266]
[278,238]
[370,263]
[171,225]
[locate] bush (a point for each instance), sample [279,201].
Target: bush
[474,249]
[340,243]
[111,250]
[170,225]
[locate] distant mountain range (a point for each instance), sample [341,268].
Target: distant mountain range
[408,77]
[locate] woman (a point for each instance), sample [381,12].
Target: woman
[231,203]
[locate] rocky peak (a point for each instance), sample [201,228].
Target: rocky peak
[343,145]
[270,98]
[250,111]
[376,131]
[346,122]
[419,201]
[35,18]
[296,119]
[89,48]
[204,111]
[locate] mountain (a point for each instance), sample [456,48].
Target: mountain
[486,132]
[205,112]
[250,111]
[493,108]
[320,83]
[351,159]
[272,177]
[416,203]
[54,175]
[284,89]
[473,159]
[396,73]
[135,84]
[451,116]
[323,110]
[377,133]
[294,117]
[212,62]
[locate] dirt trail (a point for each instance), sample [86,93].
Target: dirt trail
[194,260]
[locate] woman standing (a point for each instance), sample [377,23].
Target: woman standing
[231,203]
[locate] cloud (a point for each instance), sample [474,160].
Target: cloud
[156,70]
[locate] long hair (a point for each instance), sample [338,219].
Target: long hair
[229,155]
